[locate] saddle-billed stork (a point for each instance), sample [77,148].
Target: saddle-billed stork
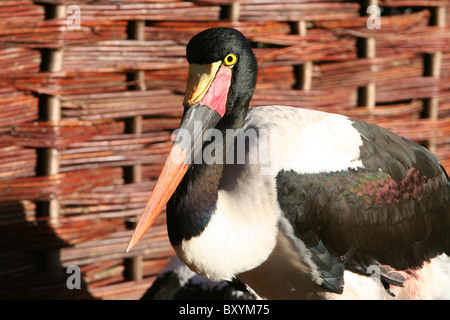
[339,202]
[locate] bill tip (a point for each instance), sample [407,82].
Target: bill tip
[130,246]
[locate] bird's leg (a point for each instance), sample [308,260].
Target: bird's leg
[331,268]
[238,285]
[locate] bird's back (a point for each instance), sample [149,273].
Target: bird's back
[363,194]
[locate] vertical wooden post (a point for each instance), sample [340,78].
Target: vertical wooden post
[433,69]
[304,71]
[51,111]
[48,158]
[231,11]
[134,125]
[133,174]
[367,94]
[235,11]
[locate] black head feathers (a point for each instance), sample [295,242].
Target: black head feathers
[214,45]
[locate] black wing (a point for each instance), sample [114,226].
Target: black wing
[395,211]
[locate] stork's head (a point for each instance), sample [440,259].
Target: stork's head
[220,84]
[220,58]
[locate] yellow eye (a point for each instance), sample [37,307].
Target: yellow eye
[230,59]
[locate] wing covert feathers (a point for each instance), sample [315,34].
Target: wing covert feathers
[395,211]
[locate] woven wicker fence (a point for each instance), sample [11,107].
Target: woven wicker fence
[89,95]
